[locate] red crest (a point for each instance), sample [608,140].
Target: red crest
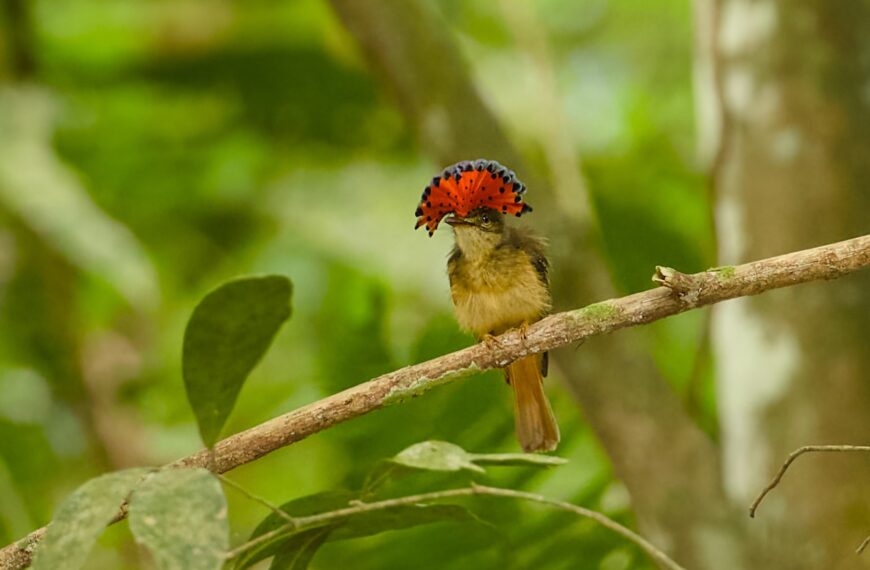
[468,185]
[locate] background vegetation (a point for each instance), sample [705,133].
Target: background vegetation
[150,150]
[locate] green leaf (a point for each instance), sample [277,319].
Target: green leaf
[444,456]
[82,517]
[437,456]
[181,516]
[518,459]
[381,474]
[428,455]
[399,517]
[298,551]
[355,525]
[228,333]
[303,506]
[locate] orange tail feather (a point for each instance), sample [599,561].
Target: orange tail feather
[536,425]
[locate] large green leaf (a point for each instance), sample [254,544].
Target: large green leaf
[181,516]
[81,518]
[228,333]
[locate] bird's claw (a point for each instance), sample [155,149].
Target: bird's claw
[524,330]
[491,341]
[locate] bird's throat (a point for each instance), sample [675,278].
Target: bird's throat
[475,243]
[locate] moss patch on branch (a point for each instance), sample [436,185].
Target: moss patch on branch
[419,386]
[598,312]
[724,273]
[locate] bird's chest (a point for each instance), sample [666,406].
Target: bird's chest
[494,294]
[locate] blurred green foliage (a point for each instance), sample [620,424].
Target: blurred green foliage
[232,138]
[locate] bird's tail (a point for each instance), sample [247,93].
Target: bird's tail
[536,425]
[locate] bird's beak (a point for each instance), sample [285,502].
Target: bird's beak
[457,221]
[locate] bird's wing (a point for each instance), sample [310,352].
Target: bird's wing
[542,265]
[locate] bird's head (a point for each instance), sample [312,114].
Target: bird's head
[476,193]
[480,231]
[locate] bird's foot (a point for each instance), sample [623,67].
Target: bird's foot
[491,341]
[524,331]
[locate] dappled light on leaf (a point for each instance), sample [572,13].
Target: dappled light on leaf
[82,517]
[180,515]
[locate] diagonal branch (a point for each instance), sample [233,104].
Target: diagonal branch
[680,292]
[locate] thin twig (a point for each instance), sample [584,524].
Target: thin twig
[794,455]
[313,521]
[825,262]
[269,505]
[862,546]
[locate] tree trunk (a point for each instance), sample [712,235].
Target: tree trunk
[791,82]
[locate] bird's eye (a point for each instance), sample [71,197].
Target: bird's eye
[484,219]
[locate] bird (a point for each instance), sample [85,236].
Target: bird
[499,277]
